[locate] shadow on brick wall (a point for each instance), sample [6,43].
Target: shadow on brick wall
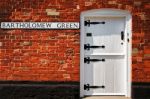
[140,90]
[39,90]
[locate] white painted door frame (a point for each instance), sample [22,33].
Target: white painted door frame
[106,12]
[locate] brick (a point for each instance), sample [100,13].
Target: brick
[147,64]
[26,43]
[1,44]
[53,55]
[147,56]
[137,3]
[66,76]
[88,3]
[61,61]
[142,16]
[134,50]
[147,50]
[78,6]
[44,61]
[52,12]
[112,2]
[147,6]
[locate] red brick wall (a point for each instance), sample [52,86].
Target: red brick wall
[53,55]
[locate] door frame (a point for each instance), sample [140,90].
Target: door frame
[107,12]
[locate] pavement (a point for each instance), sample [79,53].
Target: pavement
[106,97]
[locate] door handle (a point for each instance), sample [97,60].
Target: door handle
[122,35]
[87,46]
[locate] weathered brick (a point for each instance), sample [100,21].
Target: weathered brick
[66,76]
[26,43]
[1,44]
[112,2]
[61,61]
[53,55]
[137,3]
[52,12]
[134,50]
[147,56]
[147,6]
[88,3]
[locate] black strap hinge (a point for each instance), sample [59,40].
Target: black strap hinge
[87,87]
[88,60]
[88,46]
[88,23]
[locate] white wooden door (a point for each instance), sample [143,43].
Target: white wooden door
[104,56]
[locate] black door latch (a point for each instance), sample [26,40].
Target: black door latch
[87,46]
[88,23]
[88,60]
[87,87]
[88,34]
[122,35]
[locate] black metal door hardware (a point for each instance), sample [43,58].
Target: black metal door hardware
[88,60]
[122,35]
[87,46]
[87,87]
[88,34]
[88,23]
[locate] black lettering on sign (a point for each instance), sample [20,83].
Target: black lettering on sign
[39,25]
[67,25]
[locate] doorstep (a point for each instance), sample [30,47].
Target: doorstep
[106,97]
